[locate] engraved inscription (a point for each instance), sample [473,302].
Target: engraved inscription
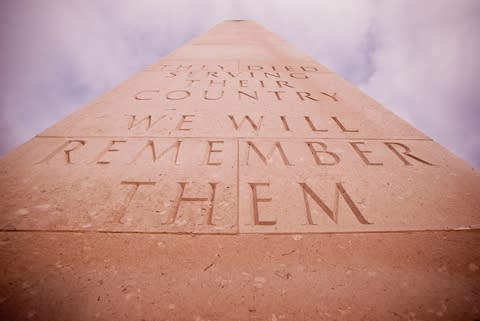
[255,125]
[255,200]
[405,151]
[180,198]
[150,145]
[253,152]
[313,146]
[108,149]
[268,158]
[211,150]
[67,147]
[118,216]
[332,213]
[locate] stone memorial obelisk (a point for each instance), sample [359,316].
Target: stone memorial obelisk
[237,179]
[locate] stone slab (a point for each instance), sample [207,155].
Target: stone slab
[136,185]
[377,276]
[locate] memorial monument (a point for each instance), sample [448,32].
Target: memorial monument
[237,179]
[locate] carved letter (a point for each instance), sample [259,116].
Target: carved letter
[315,153]
[298,75]
[334,96]
[285,124]
[108,149]
[362,153]
[312,126]
[332,214]
[210,151]
[205,96]
[137,95]
[345,130]
[255,126]
[406,152]
[281,83]
[308,68]
[150,144]
[173,95]
[184,120]
[180,198]
[266,159]
[304,94]
[240,93]
[255,201]
[223,83]
[148,120]
[277,93]
[68,159]
[276,75]
[123,209]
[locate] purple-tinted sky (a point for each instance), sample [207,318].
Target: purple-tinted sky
[421,59]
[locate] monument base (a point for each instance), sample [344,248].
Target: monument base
[124,276]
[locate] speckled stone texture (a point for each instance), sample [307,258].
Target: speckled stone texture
[237,179]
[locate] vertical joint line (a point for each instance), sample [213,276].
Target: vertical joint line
[238,185]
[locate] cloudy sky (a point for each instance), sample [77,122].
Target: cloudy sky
[421,59]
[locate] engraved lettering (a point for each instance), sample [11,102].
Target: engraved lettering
[282,83]
[277,93]
[343,128]
[147,119]
[240,93]
[256,200]
[205,96]
[184,119]
[129,197]
[211,150]
[68,159]
[308,68]
[298,75]
[180,198]
[256,126]
[312,126]
[332,213]
[315,152]
[222,83]
[362,153]
[177,94]
[303,94]
[268,158]
[407,152]
[143,95]
[107,150]
[151,145]
[284,123]
[267,74]
[334,96]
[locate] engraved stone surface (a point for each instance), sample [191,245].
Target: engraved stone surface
[241,137]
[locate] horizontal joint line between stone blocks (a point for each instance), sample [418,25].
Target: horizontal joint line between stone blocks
[231,137]
[474,229]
